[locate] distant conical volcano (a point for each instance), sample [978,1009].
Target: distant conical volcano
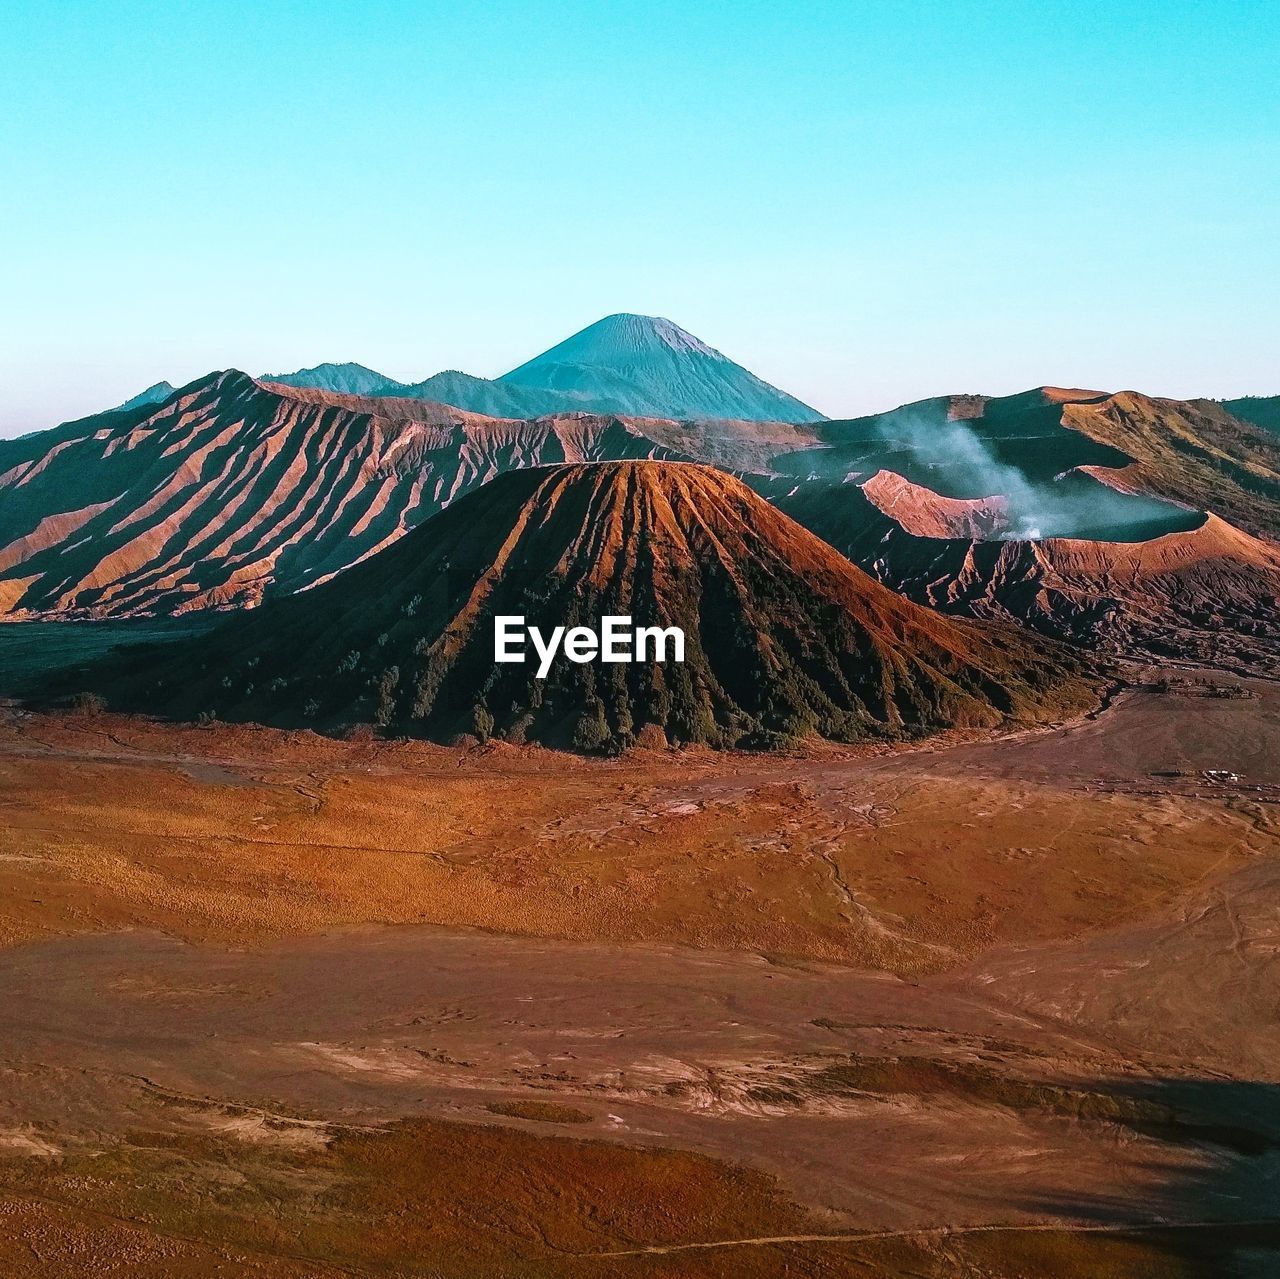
[618,340]
[783,636]
[647,366]
[632,365]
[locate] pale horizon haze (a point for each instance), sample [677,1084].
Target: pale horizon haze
[865,204]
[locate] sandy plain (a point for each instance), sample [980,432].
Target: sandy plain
[279,1005]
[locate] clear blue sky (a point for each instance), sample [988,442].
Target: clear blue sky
[864,203]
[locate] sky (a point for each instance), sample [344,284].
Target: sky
[864,203]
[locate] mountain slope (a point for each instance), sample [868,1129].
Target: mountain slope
[924,513]
[1261,410]
[629,365]
[1118,521]
[1049,476]
[644,366]
[1193,452]
[494,398]
[1053,453]
[157,393]
[783,635]
[1208,593]
[234,489]
[343,379]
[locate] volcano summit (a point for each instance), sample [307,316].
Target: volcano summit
[785,638]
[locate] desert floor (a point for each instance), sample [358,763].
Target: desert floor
[276,1005]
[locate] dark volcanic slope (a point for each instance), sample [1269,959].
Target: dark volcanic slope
[233,489]
[784,636]
[1261,410]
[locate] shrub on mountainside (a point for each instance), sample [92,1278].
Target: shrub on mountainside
[591,733]
[482,720]
[385,704]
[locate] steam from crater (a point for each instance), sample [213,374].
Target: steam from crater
[953,459]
